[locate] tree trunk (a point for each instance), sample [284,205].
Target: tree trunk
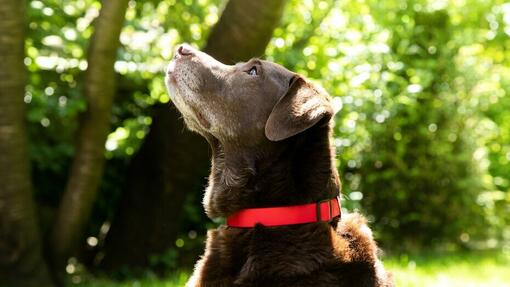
[21,261]
[151,207]
[87,167]
[244,30]
[173,162]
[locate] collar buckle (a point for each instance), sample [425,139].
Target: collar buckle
[319,209]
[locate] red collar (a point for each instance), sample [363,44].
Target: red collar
[324,210]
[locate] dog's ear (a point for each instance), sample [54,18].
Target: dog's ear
[300,108]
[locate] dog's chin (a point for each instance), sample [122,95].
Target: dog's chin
[202,120]
[193,118]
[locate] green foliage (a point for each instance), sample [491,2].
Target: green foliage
[424,174]
[166,260]
[55,46]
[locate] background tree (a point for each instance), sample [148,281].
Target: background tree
[86,170]
[244,30]
[171,161]
[21,262]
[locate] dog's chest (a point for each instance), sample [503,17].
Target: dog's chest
[252,256]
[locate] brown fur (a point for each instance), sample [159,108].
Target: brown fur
[271,148]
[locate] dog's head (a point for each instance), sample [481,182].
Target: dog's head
[245,104]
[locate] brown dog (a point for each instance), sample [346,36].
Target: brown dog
[269,130]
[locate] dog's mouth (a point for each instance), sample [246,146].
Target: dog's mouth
[201,119]
[170,73]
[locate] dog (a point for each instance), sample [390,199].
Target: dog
[273,176]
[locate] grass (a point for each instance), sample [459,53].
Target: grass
[177,280]
[478,269]
[452,270]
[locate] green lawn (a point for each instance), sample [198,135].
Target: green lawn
[451,270]
[177,281]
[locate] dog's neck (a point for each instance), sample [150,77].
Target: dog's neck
[297,170]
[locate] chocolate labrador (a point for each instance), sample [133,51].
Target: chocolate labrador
[273,176]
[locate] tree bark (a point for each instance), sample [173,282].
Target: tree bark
[21,261]
[173,162]
[244,30]
[86,171]
[159,178]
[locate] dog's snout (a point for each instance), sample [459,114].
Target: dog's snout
[184,50]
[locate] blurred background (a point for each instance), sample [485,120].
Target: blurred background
[101,185]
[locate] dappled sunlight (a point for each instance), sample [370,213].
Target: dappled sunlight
[451,270]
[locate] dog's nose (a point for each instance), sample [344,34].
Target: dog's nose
[184,50]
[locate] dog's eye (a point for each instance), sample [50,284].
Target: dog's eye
[252,71]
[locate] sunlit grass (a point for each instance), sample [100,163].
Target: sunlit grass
[177,280]
[478,269]
[452,270]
